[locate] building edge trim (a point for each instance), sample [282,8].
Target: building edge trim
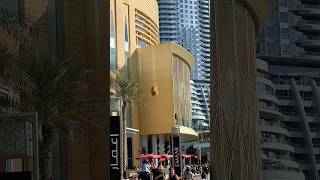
[259,10]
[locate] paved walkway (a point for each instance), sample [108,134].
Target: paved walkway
[198,177]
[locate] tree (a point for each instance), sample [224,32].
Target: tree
[57,95]
[13,36]
[128,91]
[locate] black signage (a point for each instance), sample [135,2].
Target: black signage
[26,175]
[115,148]
[176,154]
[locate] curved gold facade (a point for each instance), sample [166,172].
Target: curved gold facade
[166,67]
[235,137]
[136,24]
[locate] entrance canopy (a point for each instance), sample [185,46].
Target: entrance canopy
[186,133]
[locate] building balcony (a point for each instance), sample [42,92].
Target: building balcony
[204,11]
[309,26]
[167,7]
[198,117]
[276,145]
[205,35]
[274,129]
[162,17]
[308,11]
[264,80]
[311,54]
[204,16]
[205,30]
[204,6]
[310,43]
[205,40]
[269,97]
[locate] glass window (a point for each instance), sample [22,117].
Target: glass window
[270,32]
[285,49]
[271,48]
[283,3]
[284,33]
[142,43]
[284,17]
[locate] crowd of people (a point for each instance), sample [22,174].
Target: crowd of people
[148,171]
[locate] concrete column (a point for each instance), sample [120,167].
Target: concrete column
[154,144]
[144,143]
[155,147]
[161,143]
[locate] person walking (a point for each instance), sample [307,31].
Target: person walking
[145,171]
[172,174]
[187,175]
[158,173]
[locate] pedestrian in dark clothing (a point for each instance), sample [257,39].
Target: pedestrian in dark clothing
[158,174]
[172,174]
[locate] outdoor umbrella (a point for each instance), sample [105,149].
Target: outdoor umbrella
[185,156]
[148,156]
[166,156]
[162,160]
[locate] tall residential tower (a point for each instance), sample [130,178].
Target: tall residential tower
[187,23]
[290,40]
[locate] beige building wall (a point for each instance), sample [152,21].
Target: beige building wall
[235,133]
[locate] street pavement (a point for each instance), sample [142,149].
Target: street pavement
[198,177]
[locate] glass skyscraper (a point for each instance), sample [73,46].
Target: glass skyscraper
[187,23]
[292,30]
[290,48]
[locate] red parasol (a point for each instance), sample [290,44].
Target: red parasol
[166,156]
[162,160]
[148,156]
[185,156]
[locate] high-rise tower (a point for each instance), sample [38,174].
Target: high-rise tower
[187,23]
[290,41]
